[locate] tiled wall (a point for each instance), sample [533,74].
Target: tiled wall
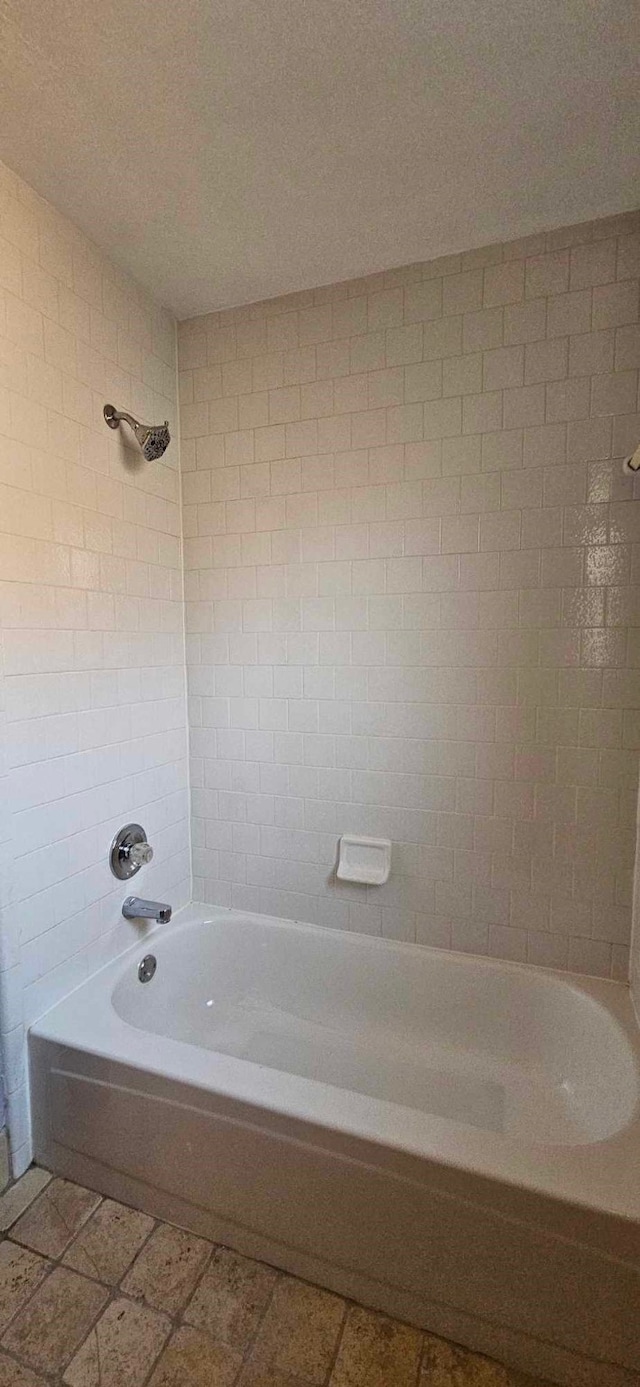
[634,969]
[8,956]
[91,610]
[412,597]
[412,587]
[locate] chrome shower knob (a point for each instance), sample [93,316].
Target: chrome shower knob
[140,853]
[129,851]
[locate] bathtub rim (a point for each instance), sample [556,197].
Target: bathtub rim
[597,1177]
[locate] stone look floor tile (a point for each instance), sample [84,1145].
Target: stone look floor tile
[446,1365]
[15,1200]
[55,1217]
[191,1359]
[108,1243]
[449,1365]
[521,1379]
[167,1269]
[231,1298]
[376,1352]
[253,1376]
[21,1271]
[50,1328]
[515,1378]
[246,1325]
[299,1333]
[12,1374]
[121,1348]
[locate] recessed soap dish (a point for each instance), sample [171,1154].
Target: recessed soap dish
[367,860]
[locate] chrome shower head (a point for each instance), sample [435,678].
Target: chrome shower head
[152,439]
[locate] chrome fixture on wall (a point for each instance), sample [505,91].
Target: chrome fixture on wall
[134,908]
[129,851]
[152,439]
[147,968]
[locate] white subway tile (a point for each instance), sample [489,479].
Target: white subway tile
[366,630]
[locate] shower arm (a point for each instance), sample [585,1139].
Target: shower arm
[114,416]
[151,439]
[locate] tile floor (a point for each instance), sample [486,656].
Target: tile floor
[93,1294]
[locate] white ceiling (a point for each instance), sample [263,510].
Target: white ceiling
[224,151]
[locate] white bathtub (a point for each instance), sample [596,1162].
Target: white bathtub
[452,1139]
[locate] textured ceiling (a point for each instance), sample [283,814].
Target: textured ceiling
[229,151]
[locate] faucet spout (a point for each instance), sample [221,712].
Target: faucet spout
[135,908]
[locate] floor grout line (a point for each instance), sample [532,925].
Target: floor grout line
[250,1347]
[338,1344]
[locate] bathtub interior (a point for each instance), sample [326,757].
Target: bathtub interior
[502,1048]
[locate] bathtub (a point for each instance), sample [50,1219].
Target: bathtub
[451,1139]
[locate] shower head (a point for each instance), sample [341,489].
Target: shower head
[152,439]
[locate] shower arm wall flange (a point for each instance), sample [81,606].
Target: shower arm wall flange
[631,464]
[113,417]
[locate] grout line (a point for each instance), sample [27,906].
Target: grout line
[144,1243]
[22,1363]
[423,1349]
[338,1343]
[154,1364]
[252,1343]
[183,602]
[50,1268]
